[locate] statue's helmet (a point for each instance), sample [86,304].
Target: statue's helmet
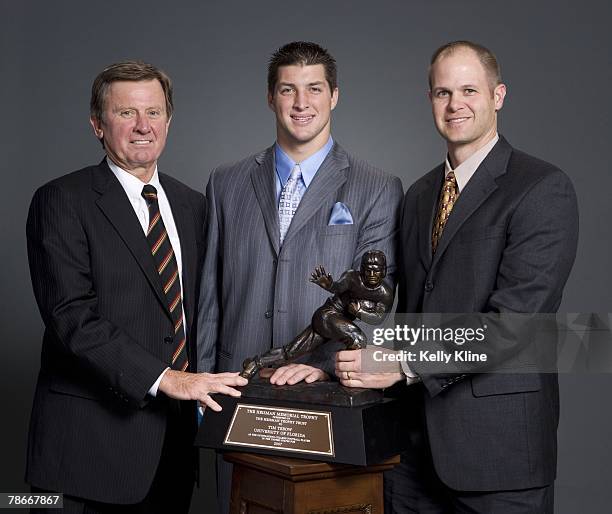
[374,257]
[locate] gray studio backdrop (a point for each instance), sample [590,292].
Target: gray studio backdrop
[555,61]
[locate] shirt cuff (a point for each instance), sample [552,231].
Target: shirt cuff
[411,376]
[155,386]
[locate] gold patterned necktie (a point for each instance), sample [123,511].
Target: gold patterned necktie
[448,197]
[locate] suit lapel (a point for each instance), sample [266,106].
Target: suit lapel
[183,219]
[477,190]
[328,179]
[262,177]
[115,205]
[427,205]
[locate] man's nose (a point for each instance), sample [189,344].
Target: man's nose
[142,124]
[300,100]
[454,103]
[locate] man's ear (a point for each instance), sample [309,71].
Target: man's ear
[97,127]
[499,93]
[334,98]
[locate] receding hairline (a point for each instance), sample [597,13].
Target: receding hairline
[485,57]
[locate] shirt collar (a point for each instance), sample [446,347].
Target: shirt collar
[309,166]
[132,185]
[464,172]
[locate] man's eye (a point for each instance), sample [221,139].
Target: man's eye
[470,91]
[315,89]
[441,94]
[286,90]
[154,113]
[126,113]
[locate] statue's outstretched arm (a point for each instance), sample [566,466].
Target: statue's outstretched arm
[323,279]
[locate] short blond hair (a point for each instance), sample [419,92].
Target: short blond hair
[486,57]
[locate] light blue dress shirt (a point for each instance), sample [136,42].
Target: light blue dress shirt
[309,167]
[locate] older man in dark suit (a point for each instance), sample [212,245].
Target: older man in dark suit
[492,230]
[115,254]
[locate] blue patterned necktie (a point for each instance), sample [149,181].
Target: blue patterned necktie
[290,199]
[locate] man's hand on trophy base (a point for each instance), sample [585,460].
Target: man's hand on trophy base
[348,370]
[198,386]
[294,373]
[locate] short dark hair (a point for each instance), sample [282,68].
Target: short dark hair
[486,57]
[303,53]
[133,71]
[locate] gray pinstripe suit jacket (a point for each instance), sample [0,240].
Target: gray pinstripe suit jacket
[255,294]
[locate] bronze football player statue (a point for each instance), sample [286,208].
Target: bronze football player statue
[357,295]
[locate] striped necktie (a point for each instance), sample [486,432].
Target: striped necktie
[290,199]
[165,262]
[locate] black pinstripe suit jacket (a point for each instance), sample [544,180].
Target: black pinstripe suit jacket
[94,431]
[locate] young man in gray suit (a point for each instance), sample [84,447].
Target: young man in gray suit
[276,215]
[492,230]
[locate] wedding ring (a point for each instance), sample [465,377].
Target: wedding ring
[348,375]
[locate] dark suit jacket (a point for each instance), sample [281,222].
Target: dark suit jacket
[94,431]
[256,294]
[508,246]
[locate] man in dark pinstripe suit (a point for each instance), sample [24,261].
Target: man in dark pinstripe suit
[113,419]
[255,291]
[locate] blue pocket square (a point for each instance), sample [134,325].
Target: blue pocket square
[340,215]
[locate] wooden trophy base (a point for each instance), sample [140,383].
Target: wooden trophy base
[265,484]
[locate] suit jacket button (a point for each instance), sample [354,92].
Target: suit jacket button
[429,286]
[169,339]
[269,314]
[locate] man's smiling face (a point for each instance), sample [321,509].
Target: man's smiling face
[464,102]
[302,102]
[134,125]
